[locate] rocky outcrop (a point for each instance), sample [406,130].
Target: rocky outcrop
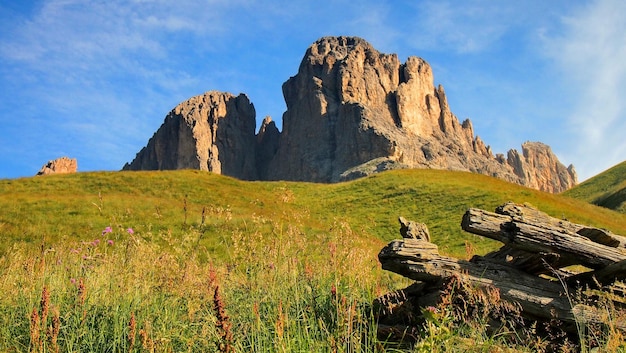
[539,168]
[63,165]
[350,106]
[213,132]
[351,111]
[267,145]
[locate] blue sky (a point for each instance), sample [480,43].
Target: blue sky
[93,80]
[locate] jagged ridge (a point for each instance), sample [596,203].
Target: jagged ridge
[351,111]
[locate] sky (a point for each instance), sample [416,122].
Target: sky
[93,80]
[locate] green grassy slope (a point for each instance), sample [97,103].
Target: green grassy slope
[295,263]
[80,206]
[607,189]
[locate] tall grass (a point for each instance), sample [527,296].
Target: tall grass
[132,296]
[121,293]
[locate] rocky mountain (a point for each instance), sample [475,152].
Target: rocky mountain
[63,165]
[351,111]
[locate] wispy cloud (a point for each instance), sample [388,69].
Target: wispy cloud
[484,53]
[101,73]
[445,26]
[79,35]
[591,52]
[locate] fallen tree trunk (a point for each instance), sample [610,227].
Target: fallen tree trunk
[602,277]
[513,277]
[541,238]
[415,259]
[533,216]
[537,297]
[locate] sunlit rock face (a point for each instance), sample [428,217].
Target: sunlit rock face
[213,132]
[351,111]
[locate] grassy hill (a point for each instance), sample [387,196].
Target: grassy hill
[607,189]
[134,261]
[79,206]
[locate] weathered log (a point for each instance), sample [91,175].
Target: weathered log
[397,333]
[410,229]
[534,264]
[530,215]
[542,238]
[419,260]
[538,298]
[512,277]
[602,277]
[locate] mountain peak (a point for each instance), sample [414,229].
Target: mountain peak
[352,108]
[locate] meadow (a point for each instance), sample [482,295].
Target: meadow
[189,261]
[607,189]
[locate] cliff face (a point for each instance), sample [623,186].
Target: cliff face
[213,132]
[351,111]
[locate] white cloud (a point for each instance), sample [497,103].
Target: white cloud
[96,75]
[371,21]
[591,52]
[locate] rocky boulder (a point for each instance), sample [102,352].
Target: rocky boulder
[63,165]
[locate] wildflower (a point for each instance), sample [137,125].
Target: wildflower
[432,309]
[82,293]
[110,242]
[34,327]
[280,321]
[223,322]
[132,325]
[130,231]
[45,304]
[95,242]
[333,291]
[73,280]
[107,230]
[431,313]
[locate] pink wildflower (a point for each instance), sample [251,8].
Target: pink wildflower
[107,230]
[432,309]
[130,231]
